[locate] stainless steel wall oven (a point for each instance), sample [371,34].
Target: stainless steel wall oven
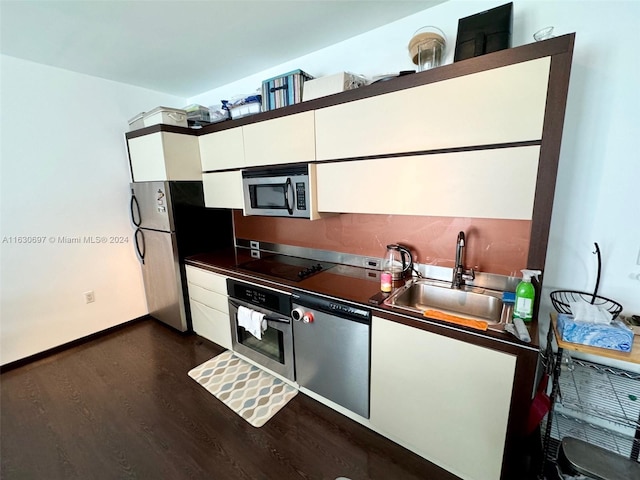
[274,350]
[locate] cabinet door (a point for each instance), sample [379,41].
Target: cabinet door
[211,324]
[444,399]
[165,156]
[287,139]
[502,105]
[482,184]
[222,150]
[223,189]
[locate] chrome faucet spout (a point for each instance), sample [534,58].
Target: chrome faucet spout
[459,274]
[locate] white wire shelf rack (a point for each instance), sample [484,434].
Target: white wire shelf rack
[566,426]
[601,391]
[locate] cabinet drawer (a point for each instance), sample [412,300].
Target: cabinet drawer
[209,298]
[209,280]
[211,324]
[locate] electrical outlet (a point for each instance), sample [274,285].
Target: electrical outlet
[372,263]
[638,260]
[254,245]
[89,297]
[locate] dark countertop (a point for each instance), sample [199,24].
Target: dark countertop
[358,285]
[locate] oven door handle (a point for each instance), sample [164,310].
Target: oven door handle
[268,318]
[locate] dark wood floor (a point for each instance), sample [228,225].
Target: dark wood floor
[122,406]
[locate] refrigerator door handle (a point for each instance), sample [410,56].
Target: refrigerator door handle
[135,213]
[139,241]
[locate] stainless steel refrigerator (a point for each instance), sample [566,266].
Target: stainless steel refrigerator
[172,223]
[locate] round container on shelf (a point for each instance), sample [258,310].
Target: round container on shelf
[426,48]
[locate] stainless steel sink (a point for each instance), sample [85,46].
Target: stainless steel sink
[421,295]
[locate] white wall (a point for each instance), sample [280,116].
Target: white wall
[596,198]
[65,173]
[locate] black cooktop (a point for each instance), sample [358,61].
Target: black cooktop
[285,267]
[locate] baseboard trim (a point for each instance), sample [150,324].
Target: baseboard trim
[65,346]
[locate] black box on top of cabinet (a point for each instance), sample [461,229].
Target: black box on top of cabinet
[484,32]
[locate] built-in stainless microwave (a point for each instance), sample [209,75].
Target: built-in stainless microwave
[277,191]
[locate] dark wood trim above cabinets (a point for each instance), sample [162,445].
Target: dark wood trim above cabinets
[553,46]
[471,148]
[549,155]
[161,127]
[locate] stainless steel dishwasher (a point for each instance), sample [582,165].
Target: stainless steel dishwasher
[332,344]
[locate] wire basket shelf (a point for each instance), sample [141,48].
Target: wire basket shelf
[562,299]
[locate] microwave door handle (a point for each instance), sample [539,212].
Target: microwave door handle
[288,187]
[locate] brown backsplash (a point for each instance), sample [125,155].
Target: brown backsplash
[493,245]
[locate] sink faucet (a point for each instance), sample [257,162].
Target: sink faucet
[459,273]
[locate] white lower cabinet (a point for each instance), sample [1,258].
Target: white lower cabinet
[209,307]
[444,399]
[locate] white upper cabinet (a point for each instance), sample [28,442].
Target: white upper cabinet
[223,189]
[496,183]
[501,105]
[222,150]
[164,156]
[288,139]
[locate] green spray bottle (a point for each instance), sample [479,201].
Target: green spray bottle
[525,295]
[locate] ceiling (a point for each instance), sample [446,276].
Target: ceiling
[184,47]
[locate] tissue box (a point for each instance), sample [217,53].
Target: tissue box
[615,336]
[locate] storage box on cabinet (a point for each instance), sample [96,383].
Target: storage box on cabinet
[502,105]
[209,307]
[223,189]
[164,156]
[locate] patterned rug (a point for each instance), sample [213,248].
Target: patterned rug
[249,391]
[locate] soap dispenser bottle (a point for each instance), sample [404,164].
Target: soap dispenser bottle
[525,296]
